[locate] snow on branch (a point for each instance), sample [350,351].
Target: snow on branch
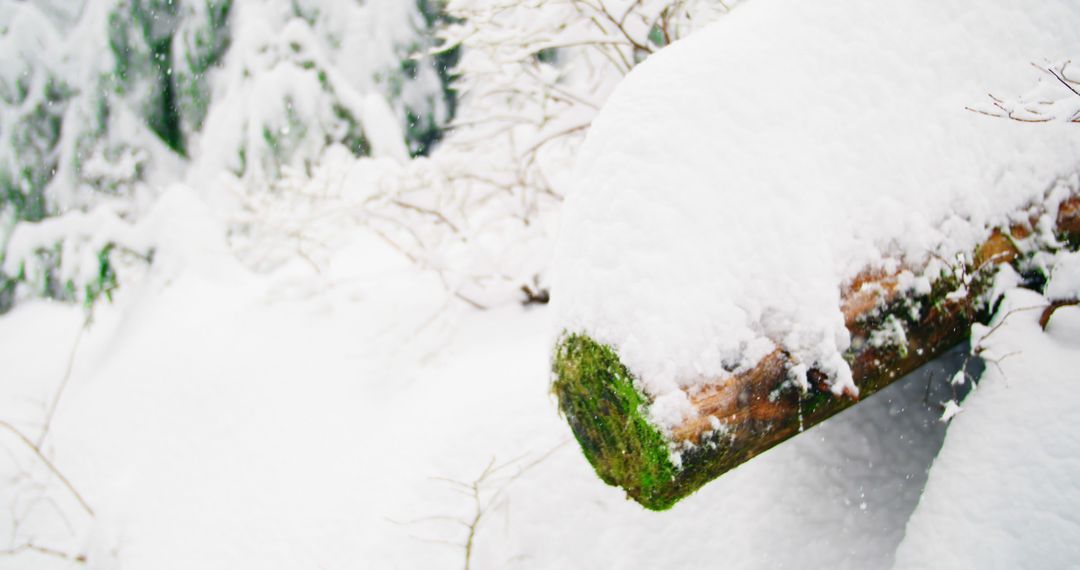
[1056,97]
[71,256]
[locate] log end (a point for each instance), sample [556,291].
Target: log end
[608,417]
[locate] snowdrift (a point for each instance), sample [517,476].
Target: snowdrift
[791,209]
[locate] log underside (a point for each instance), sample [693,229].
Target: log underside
[762,407]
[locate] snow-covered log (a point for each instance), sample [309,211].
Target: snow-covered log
[793,208]
[756,409]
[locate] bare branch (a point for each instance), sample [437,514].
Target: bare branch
[1060,76]
[51,410]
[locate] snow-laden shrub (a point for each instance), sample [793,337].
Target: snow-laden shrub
[300,77]
[33,97]
[532,76]
[259,100]
[104,103]
[71,257]
[479,210]
[96,112]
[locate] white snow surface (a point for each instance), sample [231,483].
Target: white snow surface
[1064,282]
[734,182]
[1003,491]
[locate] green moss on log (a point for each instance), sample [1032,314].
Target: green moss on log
[607,415]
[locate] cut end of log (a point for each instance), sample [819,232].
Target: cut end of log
[607,415]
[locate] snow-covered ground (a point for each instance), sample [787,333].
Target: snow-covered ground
[1007,477]
[219,419]
[212,421]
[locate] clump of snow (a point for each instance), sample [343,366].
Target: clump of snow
[892,333]
[1064,284]
[951,408]
[736,181]
[1005,279]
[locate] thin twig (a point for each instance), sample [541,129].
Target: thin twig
[49,464]
[1011,312]
[476,491]
[1062,80]
[433,213]
[31,547]
[51,410]
[529,152]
